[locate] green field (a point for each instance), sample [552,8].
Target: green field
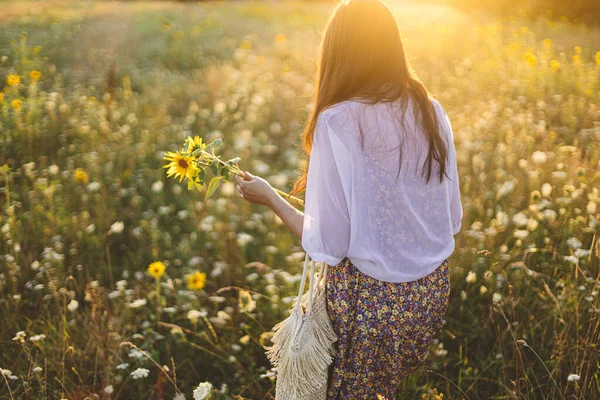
[93,94]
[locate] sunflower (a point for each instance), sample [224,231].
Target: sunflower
[16,104]
[35,76]
[196,281]
[156,269]
[181,165]
[13,80]
[194,144]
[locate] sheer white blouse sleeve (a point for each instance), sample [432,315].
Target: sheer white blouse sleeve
[326,226]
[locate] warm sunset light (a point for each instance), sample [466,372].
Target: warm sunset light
[299,199]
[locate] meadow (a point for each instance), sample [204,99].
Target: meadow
[94,93]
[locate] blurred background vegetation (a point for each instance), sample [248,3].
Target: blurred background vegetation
[94,93]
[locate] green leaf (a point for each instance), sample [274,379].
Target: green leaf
[212,186]
[235,160]
[196,152]
[201,176]
[216,143]
[214,168]
[225,172]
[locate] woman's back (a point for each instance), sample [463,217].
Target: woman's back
[391,224]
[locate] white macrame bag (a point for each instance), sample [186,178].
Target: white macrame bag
[303,343]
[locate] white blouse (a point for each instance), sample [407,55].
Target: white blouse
[392,227]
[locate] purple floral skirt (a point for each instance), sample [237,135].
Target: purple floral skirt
[384,329]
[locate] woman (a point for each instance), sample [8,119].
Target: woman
[382,202]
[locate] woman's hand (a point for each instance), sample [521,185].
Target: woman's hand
[255,189]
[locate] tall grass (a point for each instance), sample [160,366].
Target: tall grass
[86,206]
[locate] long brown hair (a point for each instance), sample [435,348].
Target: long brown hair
[362,57]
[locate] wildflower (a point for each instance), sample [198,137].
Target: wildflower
[203,391]
[576,59]
[547,44]
[280,38]
[471,277]
[539,157]
[574,243]
[8,374]
[535,195]
[180,165]
[36,49]
[156,269]
[245,301]
[530,59]
[546,189]
[555,65]
[137,303]
[521,234]
[117,227]
[496,297]
[178,35]
[520,219]
[194,315]
[246,45]
[109,389]
[20,336]
[73,305]
[16,104]
[196,281]
[578,50]
[37,370]
[35,76]
[598,58]
[573,377]
[140,373]
[81,176]
[122,366]
[13,80]
[37,338]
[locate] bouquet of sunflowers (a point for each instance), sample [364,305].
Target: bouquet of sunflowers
[196,157]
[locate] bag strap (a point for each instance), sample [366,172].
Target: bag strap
[324,269]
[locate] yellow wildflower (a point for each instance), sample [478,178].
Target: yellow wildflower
[548,44]
[196,281]
[16,104]
[194,144]
[13,80]
[598,58]
[81,176]
[578,50]
[245,301]
[576,59]
[555,65]
[280,38]
[35,75]
[37,49]
[178,35]
[157,269]
[246,45]
[530,58]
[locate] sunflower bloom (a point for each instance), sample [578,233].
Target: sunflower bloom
[156,269]
[530,58]
[81,176]
[196,281]
[194,144]
[16,104]
[181,165]
[35,76]
[13,80]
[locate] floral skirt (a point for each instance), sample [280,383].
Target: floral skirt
[384,329]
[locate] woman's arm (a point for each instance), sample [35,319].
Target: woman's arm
[258,191]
